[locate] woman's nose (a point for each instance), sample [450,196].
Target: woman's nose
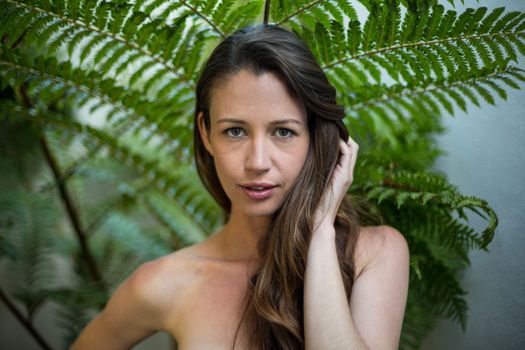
[258,156]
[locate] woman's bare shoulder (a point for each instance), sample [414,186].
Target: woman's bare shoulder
[160,282]
[379,244]
[142,304]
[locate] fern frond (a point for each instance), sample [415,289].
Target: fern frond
[452,41]
[177,186]
[33,221]
[240,16]
[62,28]
[433,22]
[70,86]
[395,94]
[426,189]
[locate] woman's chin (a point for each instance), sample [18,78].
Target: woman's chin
[258,211]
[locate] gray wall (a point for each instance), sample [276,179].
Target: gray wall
[486,158]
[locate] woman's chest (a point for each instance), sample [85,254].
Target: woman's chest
[209,312]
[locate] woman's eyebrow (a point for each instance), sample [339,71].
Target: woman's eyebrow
[231,120]
[285,121]
[241,121]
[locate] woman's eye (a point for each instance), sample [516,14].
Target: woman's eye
[284,133]
[234,132]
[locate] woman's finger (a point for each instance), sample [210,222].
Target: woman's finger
[344,155]
[354,149]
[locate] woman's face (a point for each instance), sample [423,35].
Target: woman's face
[258,138]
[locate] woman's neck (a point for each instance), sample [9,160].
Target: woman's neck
[241,234]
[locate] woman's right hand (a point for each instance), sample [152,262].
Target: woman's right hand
[341,180]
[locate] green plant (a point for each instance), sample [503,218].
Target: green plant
[102,94]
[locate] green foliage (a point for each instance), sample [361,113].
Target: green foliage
[110,86]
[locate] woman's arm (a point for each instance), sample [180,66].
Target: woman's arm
[373,319]
[380,291]
[134,312]
[375,315]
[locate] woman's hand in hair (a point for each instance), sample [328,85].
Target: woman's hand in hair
[341,180]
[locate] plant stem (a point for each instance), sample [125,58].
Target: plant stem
[25,322]
[299,11]
[266,11]
[71,210]
[416,44]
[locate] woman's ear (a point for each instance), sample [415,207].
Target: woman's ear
[203,131]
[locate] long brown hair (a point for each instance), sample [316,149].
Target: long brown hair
[274,309]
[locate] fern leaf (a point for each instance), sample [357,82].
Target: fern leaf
[241,16]
[435,64]
[221,10]
[391,36]
[407,27]
[173,38]
[173,8]
[484,94]
[50,30]
[460,102]
[104,51]
[185,46]
[102,16]
[89,11]
[140,72]
[324,49]
[193,58]
[433,22]
[75,40]
[133,23]
[333,12]
[112,60]
[152,6]
[518,44]
[155,78]
[444,102]
[462,22]
[347,9]
[446,24]
[381,26]
[470,56]
[469,94]
[387,65]
[499,59]
[354,37]
[421,22]
[510,51]
[74,8]
[501,93]
[483,52]
[320,16]
[492,17]
[15,31]
[369,32]
[475,20]
[505,21]
[89,47]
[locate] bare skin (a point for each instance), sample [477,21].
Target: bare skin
[197,293]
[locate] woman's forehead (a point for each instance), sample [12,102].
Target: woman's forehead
[247,95]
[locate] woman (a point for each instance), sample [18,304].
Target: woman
[291,268]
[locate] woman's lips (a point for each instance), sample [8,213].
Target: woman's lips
[258,192]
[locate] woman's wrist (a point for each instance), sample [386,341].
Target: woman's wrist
[324,228]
